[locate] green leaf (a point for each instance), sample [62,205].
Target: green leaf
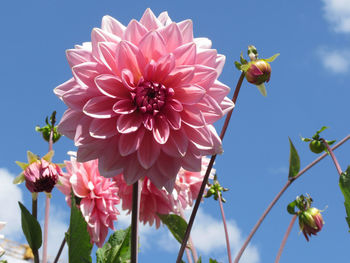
[270,59]
[49,155]
[291,207]
[344,184]
[22,165]
[241,58]
[199,260]
[245,67]
[117,249]
[305,139]
[31,228]
[331,142]
[19,179]
[262,89]
[176,224]
[213,261]
[322,129]
[294,161]
[78,238]
[238,65]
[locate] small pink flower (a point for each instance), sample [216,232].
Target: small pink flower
[143,99]
[98,197]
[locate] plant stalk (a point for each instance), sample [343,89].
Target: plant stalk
[206,176]
[134,221]
[277,197]
[225,228]
[284,241]
[60,250]
[335,161]
[35,215]
[190,242]
[46,228]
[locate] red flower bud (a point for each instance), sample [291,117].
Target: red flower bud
[259,71]
[310,222]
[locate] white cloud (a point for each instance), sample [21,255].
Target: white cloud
[337,12]
[338,61]
[10,194]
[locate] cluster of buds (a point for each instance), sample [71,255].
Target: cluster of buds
[39,174]
[310,218]
[215,190]
[257,71]
[49,128]
[316,142]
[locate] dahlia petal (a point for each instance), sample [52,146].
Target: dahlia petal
[204,76]
[82,135]
[175,105]
[189,94]
[111,163]
[202,42]
[206,57]
[168,165]
[227,105]
[130,142]
[186,28]
[148,151]
[163,67]
[64,87]
[149,20]
[173,118]
[99,35]
[177,144]
[179,76]
[69,122]
[86,207]
[148,122]
[107,52]
[218,91]
[112,86]
[192,116]
[90,151]
[185,54]
[112,26]
[77,56]
[219,65]
[200,137]
[124,107]
[133,171]
[172,36]
[216,140]
[157,177]
[129,122]
[210,109]
[128,79]
[126,54]
[79,189]
[134,32]
[85,73]
[191,162]
[103,129]
[161,129]
[76,98]
[152,46]
[164,18]
[99,107]
[169,186]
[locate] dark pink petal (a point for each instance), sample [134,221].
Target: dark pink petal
[126,54]
[150,21]
[134,32]
[128,79]
[111,162]
[112,86]
[78,56]
[133,171]
[186,54]
[180,76]
[210,109]
[168,165]
[175,105]
[204,76]
[124,106]
[85,73]
[161,129]
[68,123]
[176,145]
[148,151]
[189,94]
[148,121]
[107,52]
[152,46]
[173,118]
[113,26]
[91,151]
[103,129]
[130,142]
[100,107]
[98,35]
[157,177]
[64,87]
[172,36]
[218,91]
[129,122]
[193,117]
[206,57]
[200,137]
[186,28]
[254,70]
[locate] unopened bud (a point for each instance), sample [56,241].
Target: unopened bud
[259,71]
[310,222]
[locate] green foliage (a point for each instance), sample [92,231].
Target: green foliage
[78,238]
[117,249]
[213,261]
[294,161]
[31,228]
[176,224]
[344,184]
[46,130]
[270,59]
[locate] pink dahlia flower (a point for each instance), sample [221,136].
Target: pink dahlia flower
[98,197]
[143,99]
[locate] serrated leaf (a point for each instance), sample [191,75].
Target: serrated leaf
[270,59]
[238,65]
[49,155]
[344,184]
[79,248]
[294,161]
[31,228]
[19,179]
[176,224]
[262,89]
[117,249]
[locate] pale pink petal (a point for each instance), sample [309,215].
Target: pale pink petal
[99,107]
[103,129]
[152,46]
[168,165]
[164,66]
[189,94]
[218,91]
[210,109]
[180,76]
[82,134]
[68,123]
[126,54]
[219,65]
[112,87]
[202,42]
[161,129]
[176,145]
[135,32]
[175,105]
[124,106]
[79,188]
[164,18]
[206,57]
[106,51]
[130,142]
[77,97]
[192,116]
[148,151]
[85,73]
[186,54]
[172,36]
[173,118]
[78,56]
[227,105]
[186,28]
[129,122]
[200,137]
[97,36]
[64,87]
[204,76]
[113,26]
[191,162]
[150,21]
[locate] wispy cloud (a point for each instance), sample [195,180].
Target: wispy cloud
[337,61]
[337,12]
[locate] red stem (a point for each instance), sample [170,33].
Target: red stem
[336,163]
[225,228]
[284,241]
[289,182]
[205,179]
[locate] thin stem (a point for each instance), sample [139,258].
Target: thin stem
[190,242]
[46,228]
[206,176]
[188,255]
[225,228]
[273,202]
[135,221]
[35,215]
[60,250]
[284,241]
[336,163]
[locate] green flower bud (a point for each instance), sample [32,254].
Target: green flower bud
[310,222]
[317,146]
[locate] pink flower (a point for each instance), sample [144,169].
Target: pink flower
[98,197]
[143,99]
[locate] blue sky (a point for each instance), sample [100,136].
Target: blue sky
[309,88]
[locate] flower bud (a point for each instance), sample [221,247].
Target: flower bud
[259,71]
[310,222]
[41,176]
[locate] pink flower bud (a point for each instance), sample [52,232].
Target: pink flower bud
[41,176]
[259,71]
[310,222]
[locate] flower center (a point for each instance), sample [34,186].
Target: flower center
[150,97]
